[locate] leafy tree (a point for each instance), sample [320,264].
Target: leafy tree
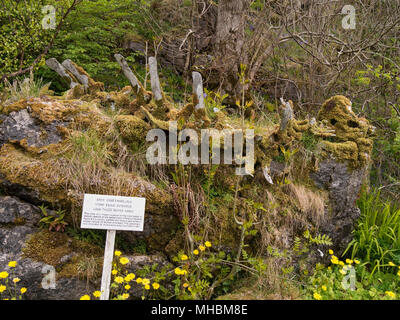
[25,41]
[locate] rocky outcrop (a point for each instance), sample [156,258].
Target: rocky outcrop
[18,222]
[51,265]
[36,137]
[342,167]
[53,150]
[344,186]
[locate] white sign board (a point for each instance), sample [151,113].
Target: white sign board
[113,212]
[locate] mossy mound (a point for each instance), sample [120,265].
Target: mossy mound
[66,254]
[352,135]
[131,128]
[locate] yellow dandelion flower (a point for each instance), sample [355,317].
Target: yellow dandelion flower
[97,294]
[124,260]
[330,251]
[15,280]
[390,294]
[185,285]
[119,280]
[117,253]
[391,264]
[356,261]
[2,288]
[334,261]
[184,257]
[156,286]
[324,288]
[341,263]
[23,290]
[125,296]
[196,252]
[3,275]
[202,248]
[207,244]
[12,264]
[317,296]
[114,272]
[85,297]
[139,280]
[147,287]
[129,277]
[127,287]
[342,272]
[146,281]
[178,271]
[348,261]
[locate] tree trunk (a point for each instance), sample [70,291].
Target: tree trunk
[229,40]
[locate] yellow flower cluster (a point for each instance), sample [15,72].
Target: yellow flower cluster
[129,277]
[317,296]
[180,272]
[390,294]
[197,251]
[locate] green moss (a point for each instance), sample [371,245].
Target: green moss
[342,150]
[351,141]
[131,128]
[17,106]
[50,247]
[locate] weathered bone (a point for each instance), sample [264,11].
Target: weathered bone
[83,79]
[155,81]
[198,89]
[286,115]
[267,175]
[53,64]
[127,71]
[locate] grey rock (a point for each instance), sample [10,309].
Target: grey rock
[19,125]
[12,210]
[22,192]
[33,274]
[343,185]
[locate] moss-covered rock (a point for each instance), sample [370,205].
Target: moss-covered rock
[131,128]
[351,140]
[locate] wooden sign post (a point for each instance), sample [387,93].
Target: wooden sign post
[111,213]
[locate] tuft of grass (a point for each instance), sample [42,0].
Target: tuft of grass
[377,235]
[309,202]
[24,89]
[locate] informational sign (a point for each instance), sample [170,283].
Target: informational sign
[113,212]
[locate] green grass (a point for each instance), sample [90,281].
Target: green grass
[377,234]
